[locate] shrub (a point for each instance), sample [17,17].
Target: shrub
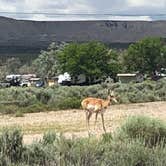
[19,114]
[135,96]
[49,137]
[8,109]
[161,83]
[126,153]
[37,107]
[37,154]
[78,151]
[44,95]
[4,160]
[33,99]
[158,155]
[127,149]
[11,146]
[107,137]
[92,91]
[151,131]
[68,103]
[148,85]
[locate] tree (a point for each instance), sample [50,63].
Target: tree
[115,63]
[46,64]
[91,59]
[13,65]
[146,56]
[10,66]
[26,68]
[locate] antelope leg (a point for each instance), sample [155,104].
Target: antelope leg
[95,119]
[88,115]
[102,118]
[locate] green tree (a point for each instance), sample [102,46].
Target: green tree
[146,56]
[115,63]
[10,66]
[26,68]
[13,65]
[46,63]
[3,72]
[92,59]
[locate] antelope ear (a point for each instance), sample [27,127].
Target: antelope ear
[112,93]
[108,90]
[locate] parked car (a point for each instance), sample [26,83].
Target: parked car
[25,83]
[39,83]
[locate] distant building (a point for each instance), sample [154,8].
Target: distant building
[128,77]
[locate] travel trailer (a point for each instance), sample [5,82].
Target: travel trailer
[67,79]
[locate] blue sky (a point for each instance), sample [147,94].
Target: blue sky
[142,9]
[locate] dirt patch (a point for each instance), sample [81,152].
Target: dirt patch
[72,122]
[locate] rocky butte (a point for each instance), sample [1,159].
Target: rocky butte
[32,36]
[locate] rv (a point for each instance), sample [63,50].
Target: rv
[81,79]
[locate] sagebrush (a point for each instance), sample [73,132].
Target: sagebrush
[68,97]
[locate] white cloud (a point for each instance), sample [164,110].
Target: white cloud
[39,17]
[42,17]
[116,7]
[42,5]
[130,18]
[4,6]
[146,3]
[60,6]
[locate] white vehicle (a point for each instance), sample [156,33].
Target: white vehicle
[64,79]
[13,76]
[25,83]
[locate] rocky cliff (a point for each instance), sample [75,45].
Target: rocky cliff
[25,35]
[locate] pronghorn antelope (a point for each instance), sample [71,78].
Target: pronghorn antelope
[96,105]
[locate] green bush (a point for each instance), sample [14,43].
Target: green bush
[49,137]
[68,103]
[19,113]
[37,107]
[158,155]
[44,95]
[125,147]
[126,153]
[37,154]
[151,131]
[33,99]
[4,160]
[11,146]
[78,151]
[107,137]
[8,109]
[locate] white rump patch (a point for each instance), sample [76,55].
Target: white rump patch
[92,107]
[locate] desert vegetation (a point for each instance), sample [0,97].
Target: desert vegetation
[25,100]
[139,141]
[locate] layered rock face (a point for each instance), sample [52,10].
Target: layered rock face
[17,35]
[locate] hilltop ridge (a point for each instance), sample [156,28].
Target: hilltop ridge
[23,34]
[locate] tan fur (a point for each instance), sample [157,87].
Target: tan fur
[96,105]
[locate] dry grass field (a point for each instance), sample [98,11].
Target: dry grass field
[72,122]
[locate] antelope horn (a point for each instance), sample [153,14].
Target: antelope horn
[112,93]
[109,91]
